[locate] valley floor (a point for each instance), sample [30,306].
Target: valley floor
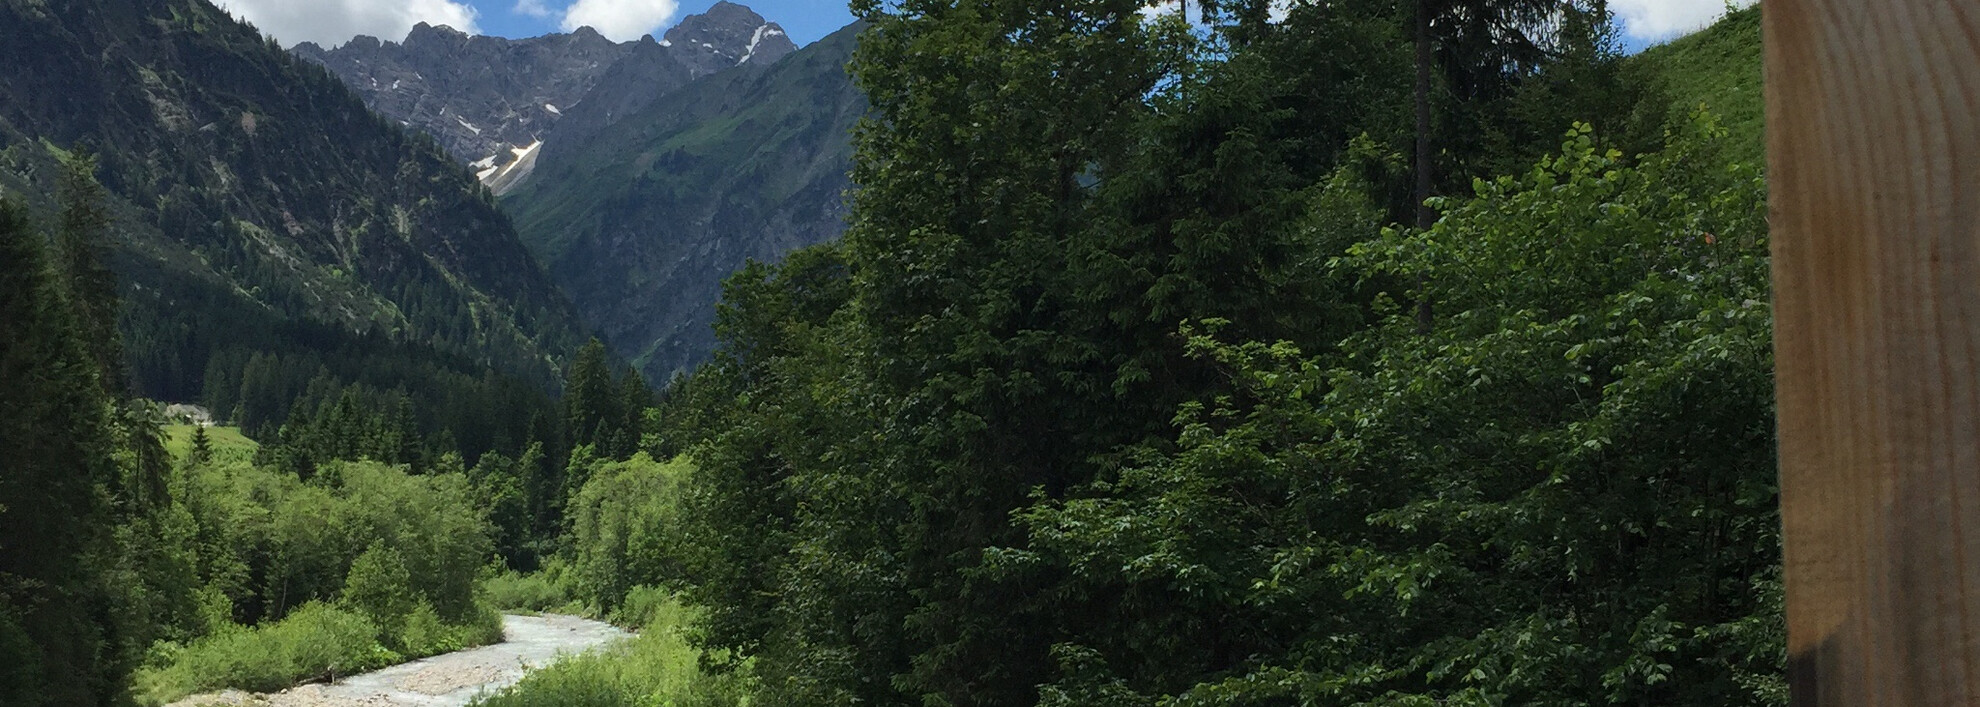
[449,680]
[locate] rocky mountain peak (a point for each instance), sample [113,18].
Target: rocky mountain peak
[725,36]
[423,34]
[492,102]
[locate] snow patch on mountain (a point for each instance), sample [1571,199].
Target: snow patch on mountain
[507,177]
[757,41]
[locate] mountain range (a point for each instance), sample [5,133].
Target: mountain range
[493,102]
[259,204]
[643,173]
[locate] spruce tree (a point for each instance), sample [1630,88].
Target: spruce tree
[591,400]
[55,636]
[634,400]
[202,447]
[82,242]
[993,120]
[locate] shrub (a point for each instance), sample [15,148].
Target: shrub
[659,667]
[316,641]
[425,634]
[514,591]
[647,607]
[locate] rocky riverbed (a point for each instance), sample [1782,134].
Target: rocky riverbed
[449,680]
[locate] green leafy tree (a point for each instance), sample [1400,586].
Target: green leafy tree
[1560,494]
[379,587]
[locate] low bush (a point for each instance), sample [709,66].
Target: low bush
[647,607]
[537,592]
[659,667]
[315,642]
[426,634]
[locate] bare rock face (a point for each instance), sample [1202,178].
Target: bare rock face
[726,36]
[483,98]
[492,102]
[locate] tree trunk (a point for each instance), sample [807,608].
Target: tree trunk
[1425,217]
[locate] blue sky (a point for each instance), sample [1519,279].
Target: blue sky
[333,22]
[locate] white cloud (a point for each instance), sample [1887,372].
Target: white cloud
[333,22]
[620,20]
[532,8]
[1654,20]
[1161,8]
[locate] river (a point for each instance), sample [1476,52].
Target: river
[449,680]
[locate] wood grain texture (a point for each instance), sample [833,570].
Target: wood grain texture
[1873,118]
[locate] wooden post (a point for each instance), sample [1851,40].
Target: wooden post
[1873,124]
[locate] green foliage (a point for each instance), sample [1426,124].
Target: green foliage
[1108,396]
[659,667]
[55,508]
[379,587]
[425,633]
[603,412]
[362,567]
[626,528]
[537,591]
[317,641]
[226,444]
[1561,494]
[646,607]
[355,424]
[271,542]
[82,243]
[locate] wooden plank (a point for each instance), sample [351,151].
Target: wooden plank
[1873,119]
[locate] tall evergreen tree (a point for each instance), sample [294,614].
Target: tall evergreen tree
[56,644]
[82,244]
[635,398]
[591,399]
[201,450]
[1476,46]
[993,122]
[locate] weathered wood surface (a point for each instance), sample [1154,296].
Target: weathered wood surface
[1873,118]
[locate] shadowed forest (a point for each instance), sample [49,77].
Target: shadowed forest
[1373,353]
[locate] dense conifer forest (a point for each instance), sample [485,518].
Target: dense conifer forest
[1139,378]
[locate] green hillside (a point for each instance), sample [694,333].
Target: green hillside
[228,443]
[1718,68]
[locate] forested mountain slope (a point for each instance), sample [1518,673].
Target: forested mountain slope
[641,221]
[260,209]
